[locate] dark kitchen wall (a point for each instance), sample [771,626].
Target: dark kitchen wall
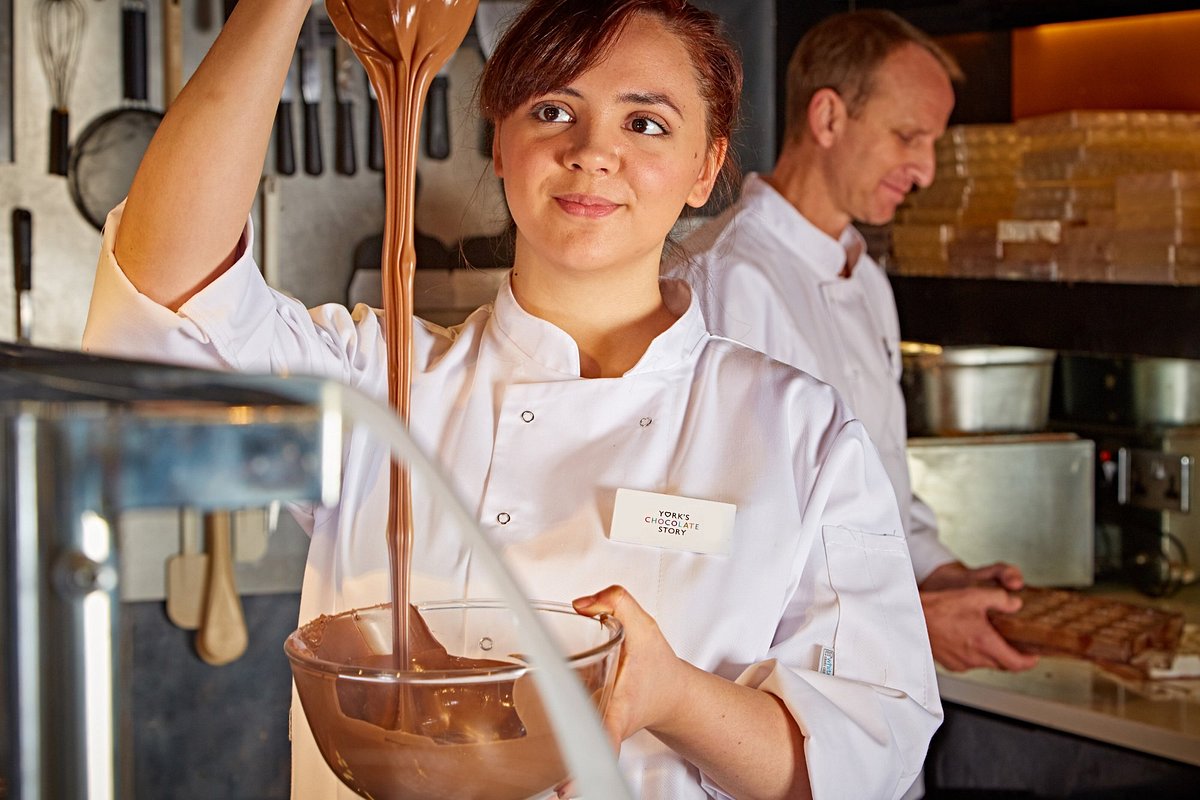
[976,31]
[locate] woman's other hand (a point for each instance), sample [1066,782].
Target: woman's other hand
[648,673]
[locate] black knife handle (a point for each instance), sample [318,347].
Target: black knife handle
[312,139]
[374,136]
[437,121]
[285,140]
[60,147]
[346,163]
[22,233]
[133,52]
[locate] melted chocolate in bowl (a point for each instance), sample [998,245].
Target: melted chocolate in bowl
[475,727]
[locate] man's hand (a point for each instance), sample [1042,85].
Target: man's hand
[956,601]
[957,575]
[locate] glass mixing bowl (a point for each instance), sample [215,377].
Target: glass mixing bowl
[467,722]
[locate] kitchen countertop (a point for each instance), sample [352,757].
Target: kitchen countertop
[1161,718]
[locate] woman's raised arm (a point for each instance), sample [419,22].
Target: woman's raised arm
[194,189]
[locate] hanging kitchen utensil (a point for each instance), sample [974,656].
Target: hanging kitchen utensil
[107,154]
[437,114]
[187,574]
[285,140]
[492,17]
[60,25]
[269,225]
[6,80]
[374,131]
[204,17]
[172,50]
[344,65]
[222,637]
[310,92]
[22,237]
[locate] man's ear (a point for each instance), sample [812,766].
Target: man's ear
[827,115]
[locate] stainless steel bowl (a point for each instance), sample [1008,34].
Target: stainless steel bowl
[976,389]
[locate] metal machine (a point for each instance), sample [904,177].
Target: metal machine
[82,439]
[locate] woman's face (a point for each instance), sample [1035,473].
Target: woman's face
[596,172]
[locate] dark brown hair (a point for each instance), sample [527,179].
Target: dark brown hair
[552,42]
[842,52]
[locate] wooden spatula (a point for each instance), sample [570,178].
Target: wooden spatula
[222,637]
[187,575]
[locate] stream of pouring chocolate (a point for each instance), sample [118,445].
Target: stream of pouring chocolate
[402,44]
[488,738]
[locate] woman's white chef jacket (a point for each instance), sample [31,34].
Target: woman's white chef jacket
[818,559]
[768,277]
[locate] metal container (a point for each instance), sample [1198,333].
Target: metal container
[1136,391]
[1024,499]
[977,389]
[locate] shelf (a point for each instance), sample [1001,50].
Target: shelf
[1119,319]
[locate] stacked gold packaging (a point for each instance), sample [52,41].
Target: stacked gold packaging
[1068,223]
[1074,196]
[1157,236]
[950,227]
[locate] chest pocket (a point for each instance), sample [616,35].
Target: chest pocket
[879,613]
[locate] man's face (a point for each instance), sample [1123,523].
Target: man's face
[887,148]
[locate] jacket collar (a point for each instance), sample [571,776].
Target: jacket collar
[815,249]
[552,348]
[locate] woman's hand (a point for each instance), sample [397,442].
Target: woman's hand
[744,740]
[648,674]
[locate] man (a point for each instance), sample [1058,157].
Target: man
[784,271]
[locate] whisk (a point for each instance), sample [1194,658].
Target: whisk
[60,25]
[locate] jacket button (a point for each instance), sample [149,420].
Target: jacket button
[527,416]
[645,422]
[503,518]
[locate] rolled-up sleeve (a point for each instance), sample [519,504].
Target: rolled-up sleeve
[851,659]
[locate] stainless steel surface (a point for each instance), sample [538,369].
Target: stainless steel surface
[984,389]
[83,439]
[310,69]
[1184,524]
[1023,499]
[288,93]
[346,70]
[1154,480]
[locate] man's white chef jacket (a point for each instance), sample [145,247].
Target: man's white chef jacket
[818,558]
[766,276]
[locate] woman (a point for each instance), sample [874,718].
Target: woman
[785,654]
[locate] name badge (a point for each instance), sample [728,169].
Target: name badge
[676,523]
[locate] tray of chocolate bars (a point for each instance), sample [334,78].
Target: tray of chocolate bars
[1125,638]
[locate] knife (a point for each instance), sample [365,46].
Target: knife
[310,93]
[437,128]
[344,63]
[285,146]
[22,234]
[374,130]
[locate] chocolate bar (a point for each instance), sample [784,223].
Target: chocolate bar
[1111,632]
